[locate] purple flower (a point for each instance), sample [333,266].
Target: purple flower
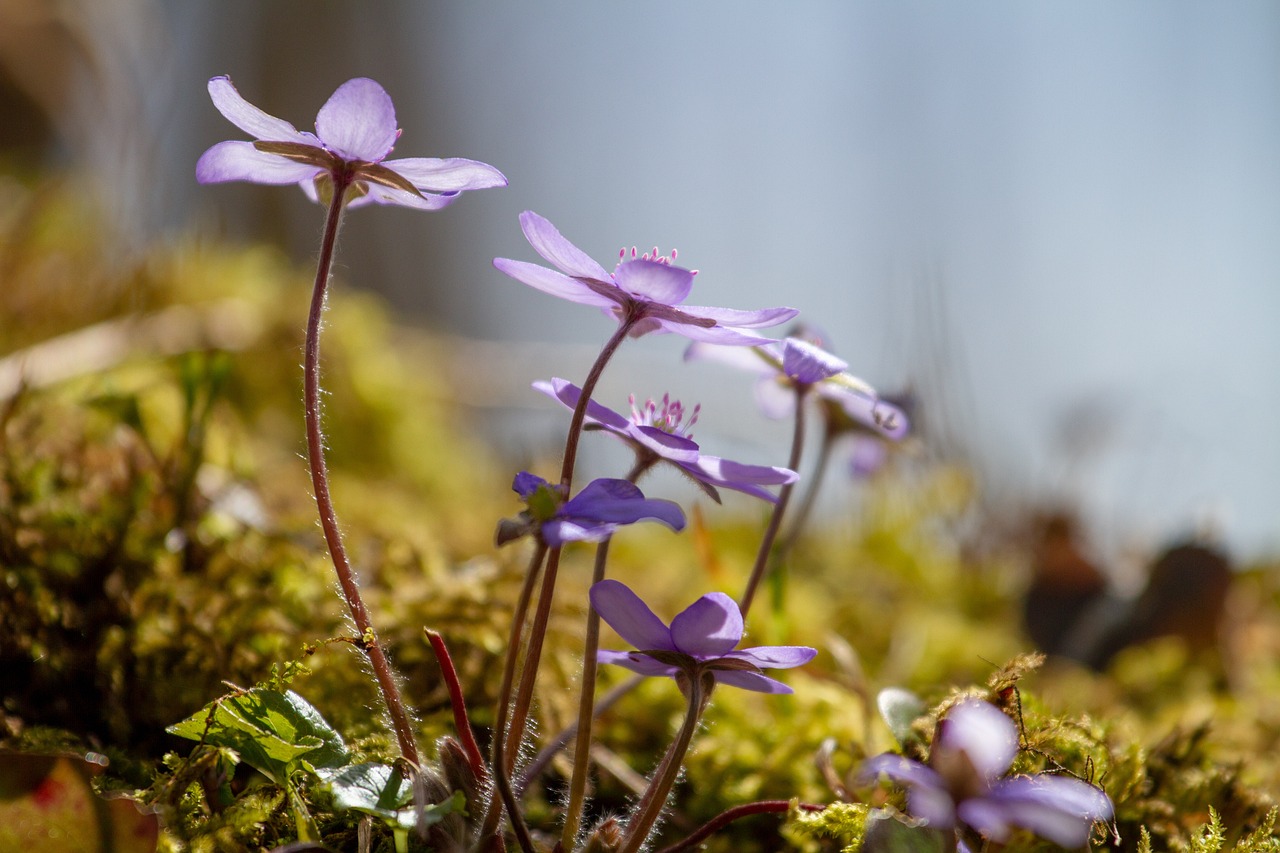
[791,364]
[703,637]
[355,131]
[964,785]
[643,291]
[661,433]
[590,516]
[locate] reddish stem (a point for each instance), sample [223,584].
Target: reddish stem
[459,705]
[320,485]
[728,816]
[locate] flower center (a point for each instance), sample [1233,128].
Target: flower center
[633,254]
[668,415]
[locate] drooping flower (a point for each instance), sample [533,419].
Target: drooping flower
[791,364]
[964,785]
[702,638]
[645,291]
[591,515]
[355,131]
[659,432]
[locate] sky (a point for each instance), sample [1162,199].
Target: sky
[1057,221]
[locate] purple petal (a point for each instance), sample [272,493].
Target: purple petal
[738,318]
[981,731]
[867,457]
[566,257]
[623,610]
[902,770]
[379,194]
[636,662]
[620,502]
[776,398]
[710,627]
[240,161]
[730,474]
[754,360]
[723,335]
[1062,813]
[934,806]
[249,118]
[525,484]
[806,363]
[988,818]
[358,121]
[550,281]
[774,657]
[752,681]
[569,394]
[654,281]
[452,174]
[1073,796]
[561,531]
[674,448]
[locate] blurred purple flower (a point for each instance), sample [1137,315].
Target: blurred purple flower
[702,638]
[589,516]
[641,290]
[661,433]
[355,131]
[964,786]
[784,366]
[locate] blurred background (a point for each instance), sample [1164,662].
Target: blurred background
[1057,224]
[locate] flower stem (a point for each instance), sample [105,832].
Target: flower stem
[655,796]
[501,771]
[780,508]
[728,816]
[461,721]
[320,485]
[586,700]
[801,516]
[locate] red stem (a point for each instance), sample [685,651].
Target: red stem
[459,705]
[728,816]
[320,484]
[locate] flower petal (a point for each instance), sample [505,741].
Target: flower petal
[710,627]
[525,484]
[625,613]
[358,121]
[761,360]
[620,502]
[902,770]
[249,118]
[637,662]
[566,257]
[569,394]
[774,657]
[240,161]
[378,194]
[654,281]
[561,531]
[550,281]
[806,363]
[738,318]
[753,681]
[982,732]
[674,448]
[722,335]
[1058,808]
[452,174]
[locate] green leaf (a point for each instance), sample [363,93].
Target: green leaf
[272,731]
[384,792]
[899,708]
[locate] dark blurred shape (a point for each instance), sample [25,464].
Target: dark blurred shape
[1066,586]
[1185,597]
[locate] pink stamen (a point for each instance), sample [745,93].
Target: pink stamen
[669,416]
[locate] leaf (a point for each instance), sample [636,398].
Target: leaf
[899,708]
[47,804]
[272,731]
[384,792]
[375,789]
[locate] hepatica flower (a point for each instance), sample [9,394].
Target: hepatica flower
[795,364]
[702,638]
[660,432]
[355,132]
[964,785]
[646,292]
[591,515]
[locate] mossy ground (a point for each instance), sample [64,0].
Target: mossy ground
[157,543]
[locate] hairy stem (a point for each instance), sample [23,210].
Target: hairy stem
[779,509]
[728,816]
[458,704]
[320,485]
[655,796]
